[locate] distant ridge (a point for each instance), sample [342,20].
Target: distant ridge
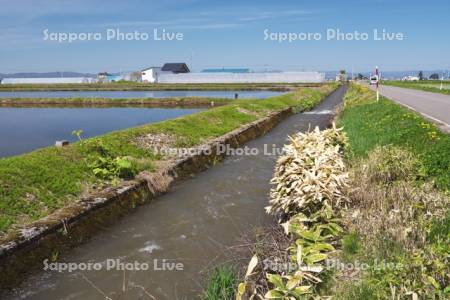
[388,74]
[46,75]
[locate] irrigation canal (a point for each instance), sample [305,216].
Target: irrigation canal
[191,225]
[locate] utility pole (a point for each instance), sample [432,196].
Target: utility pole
[378,83]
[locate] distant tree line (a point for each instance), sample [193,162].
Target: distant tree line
[434,76]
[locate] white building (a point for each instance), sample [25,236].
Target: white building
[281,77]
[410,78]
[150,74]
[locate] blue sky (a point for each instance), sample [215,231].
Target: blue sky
[223,33]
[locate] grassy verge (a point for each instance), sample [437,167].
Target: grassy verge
[376,227]
[398,221]
[221,284]
[136,86]
[427,86]
[36,184]
[369,123]
[160,102]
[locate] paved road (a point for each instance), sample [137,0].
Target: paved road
[433,106]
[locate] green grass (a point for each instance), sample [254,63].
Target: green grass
[369,123]
[34,185]
[440,230]
[221,285]
[160,102]
[351,244]
[426,85]
[421,255]
[359,291]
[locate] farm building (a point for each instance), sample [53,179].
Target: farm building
[175,68]
[103,77]
[47,80]
[106,77]
[150,74]
[132,76]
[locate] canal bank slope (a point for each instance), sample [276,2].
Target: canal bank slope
[398,221]
[37,184]
[116,102]
[372,226]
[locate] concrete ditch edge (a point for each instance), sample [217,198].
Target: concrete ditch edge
[24,250]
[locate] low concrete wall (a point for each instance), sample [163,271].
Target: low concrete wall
[282,77]
[23,251]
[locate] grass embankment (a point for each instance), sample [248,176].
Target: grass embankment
[112,102]
[428,86]
[36,184]
[399,219]
[376,227]
[369,123]
[137,86]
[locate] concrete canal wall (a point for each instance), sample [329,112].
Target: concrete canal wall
[27,248]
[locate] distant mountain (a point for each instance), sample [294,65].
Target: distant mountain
[46,75]
[401,74]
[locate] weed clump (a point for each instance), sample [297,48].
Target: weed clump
[311,173]
[401,222]
[310,179]
[389,163]
[221,284]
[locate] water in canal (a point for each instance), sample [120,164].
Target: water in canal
[138,94]
[191,225]
[26,129]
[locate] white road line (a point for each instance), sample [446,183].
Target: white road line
[423,114]
[440,122]
[414,93]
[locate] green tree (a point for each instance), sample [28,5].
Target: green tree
[434,76]
[420,75]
